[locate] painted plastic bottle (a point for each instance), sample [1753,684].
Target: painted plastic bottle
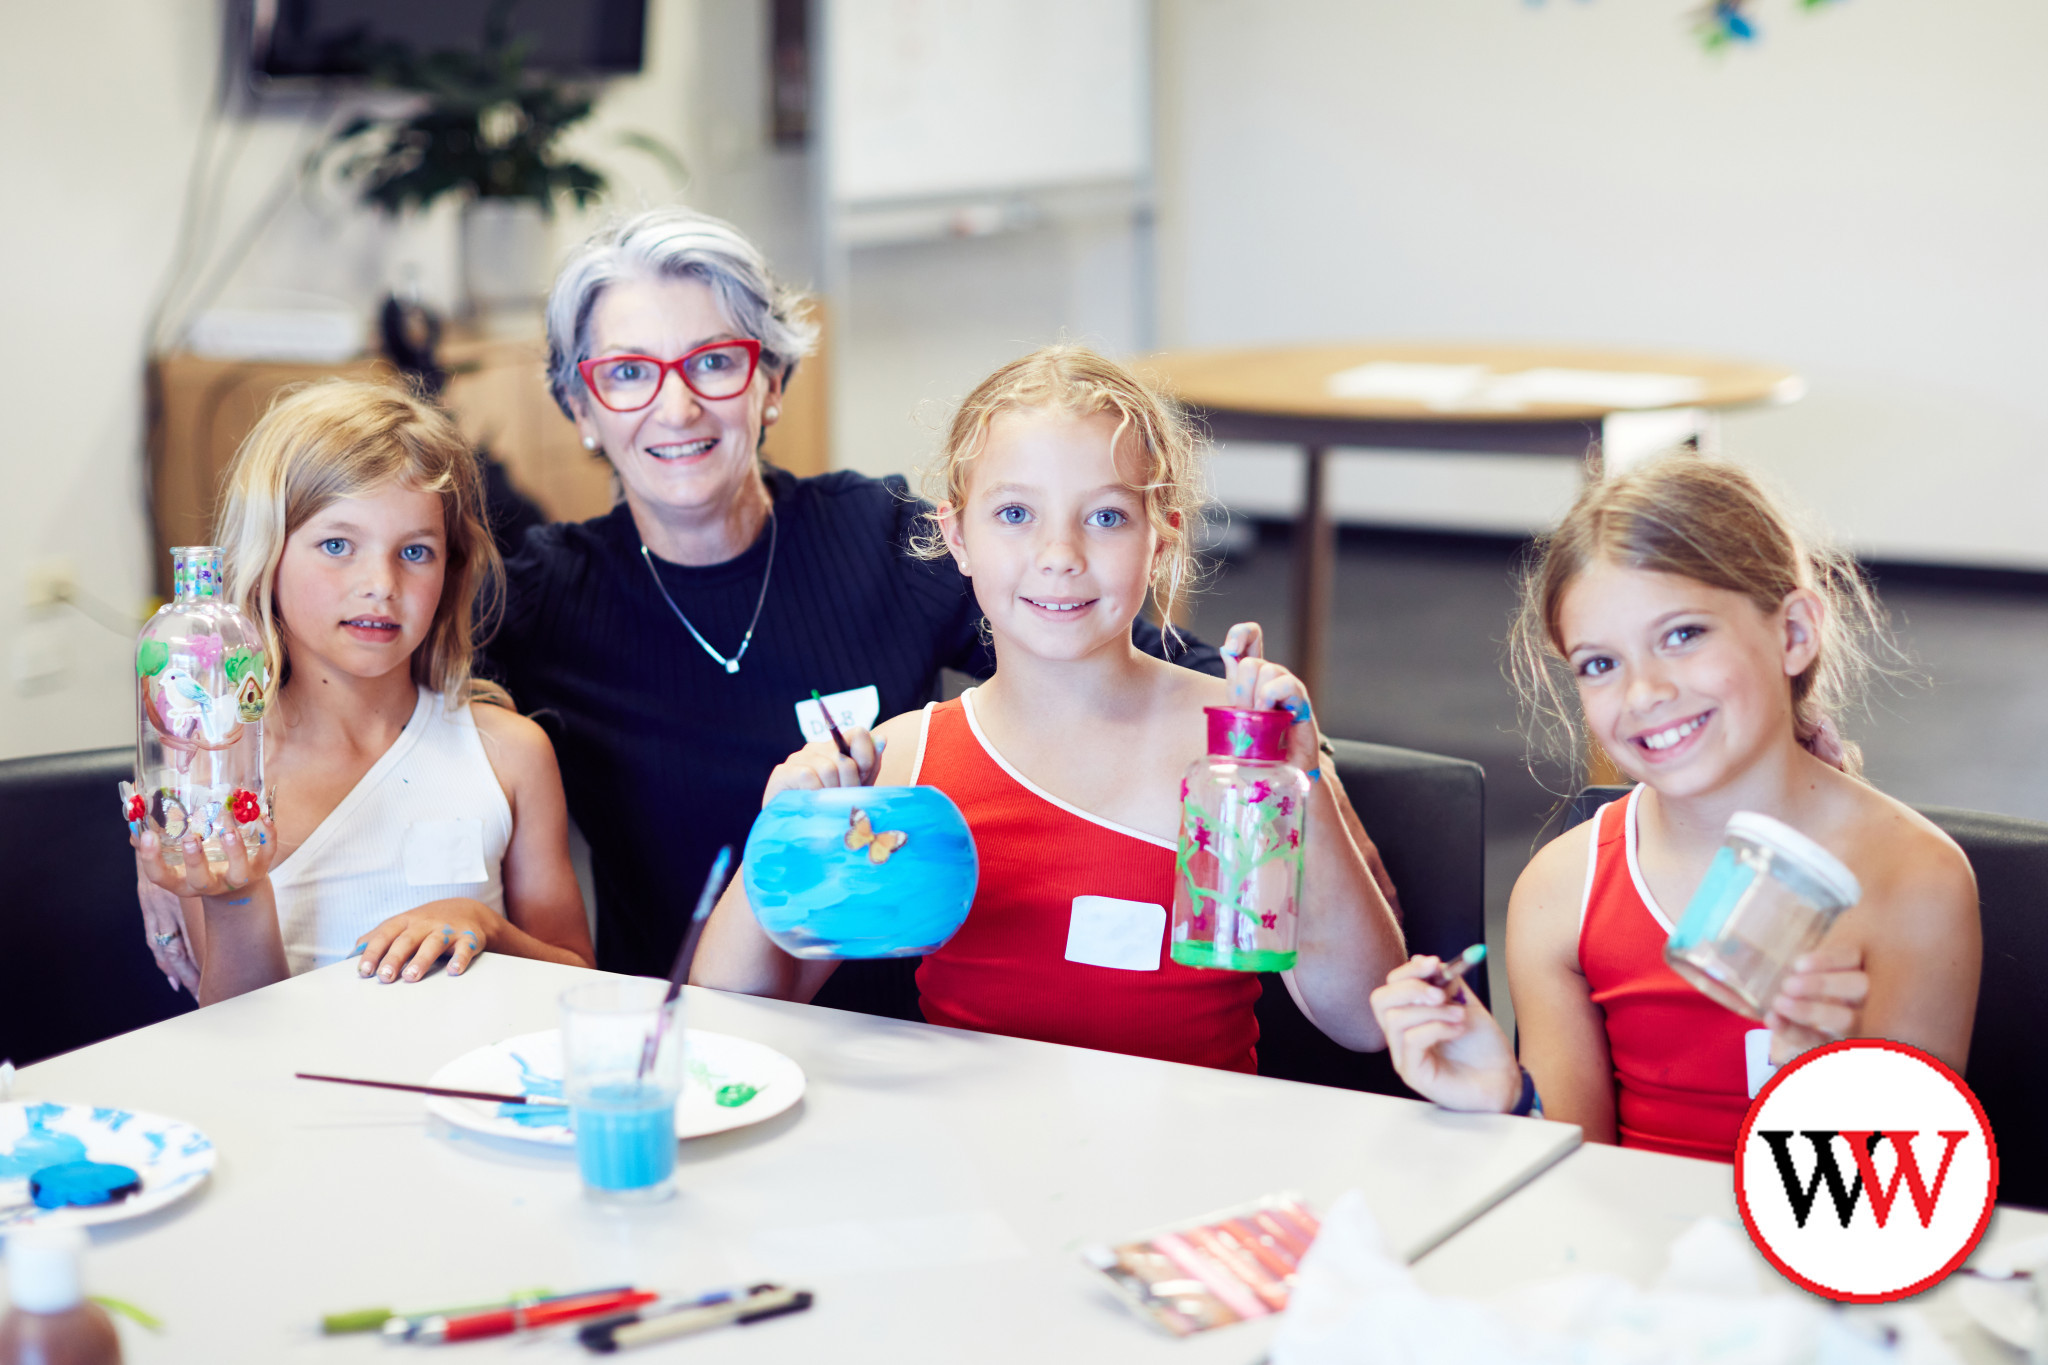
[1244,809]
[51,1323]
[201,685]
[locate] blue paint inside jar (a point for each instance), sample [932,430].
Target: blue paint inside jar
[625,1135]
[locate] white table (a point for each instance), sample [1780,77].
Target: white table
[932,1188]
[1614,1211]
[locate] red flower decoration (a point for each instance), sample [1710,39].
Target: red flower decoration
[1287,805]
[1202,837]
[1294,838]
[137,809]
[245,808]
[1269,921]
[1260,791]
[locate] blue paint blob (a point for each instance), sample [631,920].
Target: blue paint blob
[39,1147]
[532,1082]
[817,898]
[82,1184]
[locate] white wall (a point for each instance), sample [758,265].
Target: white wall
[1861,196]
[103,133]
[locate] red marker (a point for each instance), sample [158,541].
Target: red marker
[498,1322]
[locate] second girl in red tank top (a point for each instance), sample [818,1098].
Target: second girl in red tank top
[1067,491]
[1710,650]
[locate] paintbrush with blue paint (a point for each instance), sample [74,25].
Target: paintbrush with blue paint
[708,897]
[1445,977]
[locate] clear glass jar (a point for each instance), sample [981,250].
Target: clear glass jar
[1770,894]
[1243,811]
[201,685]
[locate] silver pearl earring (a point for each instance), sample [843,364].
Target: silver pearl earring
[590,443]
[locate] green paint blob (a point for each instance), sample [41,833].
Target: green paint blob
[240,660]
[150,658]
[734,1095]
[1197,953]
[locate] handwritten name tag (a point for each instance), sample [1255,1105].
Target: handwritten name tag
[861,706]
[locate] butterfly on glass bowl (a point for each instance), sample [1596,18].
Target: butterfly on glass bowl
[879,843]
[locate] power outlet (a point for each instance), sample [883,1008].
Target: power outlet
[51,583]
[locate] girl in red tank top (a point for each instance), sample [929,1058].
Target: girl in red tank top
[1067,492]
[1710,649]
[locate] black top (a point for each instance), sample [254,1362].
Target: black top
[663,753]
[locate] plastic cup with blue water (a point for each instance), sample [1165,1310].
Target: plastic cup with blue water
[1770,895]
[622,1094]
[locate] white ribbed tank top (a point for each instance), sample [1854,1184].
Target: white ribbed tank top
[427,822]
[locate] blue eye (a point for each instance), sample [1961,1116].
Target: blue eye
[334,545]
[1107,518]
[711,362]
[416,554]
[1012,515]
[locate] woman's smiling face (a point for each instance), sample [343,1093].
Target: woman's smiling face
[1053,535]
[1683,684]
[680,453]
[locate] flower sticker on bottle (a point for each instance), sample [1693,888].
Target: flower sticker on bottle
[245,807]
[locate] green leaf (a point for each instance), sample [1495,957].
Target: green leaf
[150,658]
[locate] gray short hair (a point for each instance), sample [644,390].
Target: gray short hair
[673,243]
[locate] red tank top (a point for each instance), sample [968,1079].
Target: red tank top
[1008,970]
[1680,1068]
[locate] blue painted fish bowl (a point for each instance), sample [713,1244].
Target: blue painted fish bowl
[860,871]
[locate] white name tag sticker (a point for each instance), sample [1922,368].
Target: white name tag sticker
[862,707]
[444,852]
[1106,932]
[1756,1057]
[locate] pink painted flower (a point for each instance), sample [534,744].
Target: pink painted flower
[1183,789]
[1202,837]
[1294,838]
[1287,805]
[206,650]
[1269,921]
[1260,791]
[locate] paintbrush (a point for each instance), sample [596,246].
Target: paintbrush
[832,725]
[1445,977]
[487,1096]
[708,897]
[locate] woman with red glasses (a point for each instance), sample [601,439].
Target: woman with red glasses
[670,647]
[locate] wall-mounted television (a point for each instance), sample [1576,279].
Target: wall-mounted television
[294,43]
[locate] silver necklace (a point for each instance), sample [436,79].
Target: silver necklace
[731,665]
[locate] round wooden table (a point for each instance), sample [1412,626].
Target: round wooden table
[1603,407]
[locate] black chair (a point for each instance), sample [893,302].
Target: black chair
[1427,814]
[73,964]
[2008,1051]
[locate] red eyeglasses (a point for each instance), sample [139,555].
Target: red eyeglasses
[627,383]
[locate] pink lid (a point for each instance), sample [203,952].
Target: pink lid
[1238,733]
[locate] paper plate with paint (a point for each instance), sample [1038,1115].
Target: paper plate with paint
[728,1083]
[856,872]
[67,1165]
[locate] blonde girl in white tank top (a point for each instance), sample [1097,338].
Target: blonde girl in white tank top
[417,816]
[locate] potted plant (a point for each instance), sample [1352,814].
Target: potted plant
[487,128]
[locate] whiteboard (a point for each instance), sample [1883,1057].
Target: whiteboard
[929,98]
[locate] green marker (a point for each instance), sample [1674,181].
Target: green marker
[373,1319]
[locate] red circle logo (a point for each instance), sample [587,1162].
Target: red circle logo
[1866,1171]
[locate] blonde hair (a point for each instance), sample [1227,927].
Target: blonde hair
[342,439]
[1710,521]
[1077,382]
